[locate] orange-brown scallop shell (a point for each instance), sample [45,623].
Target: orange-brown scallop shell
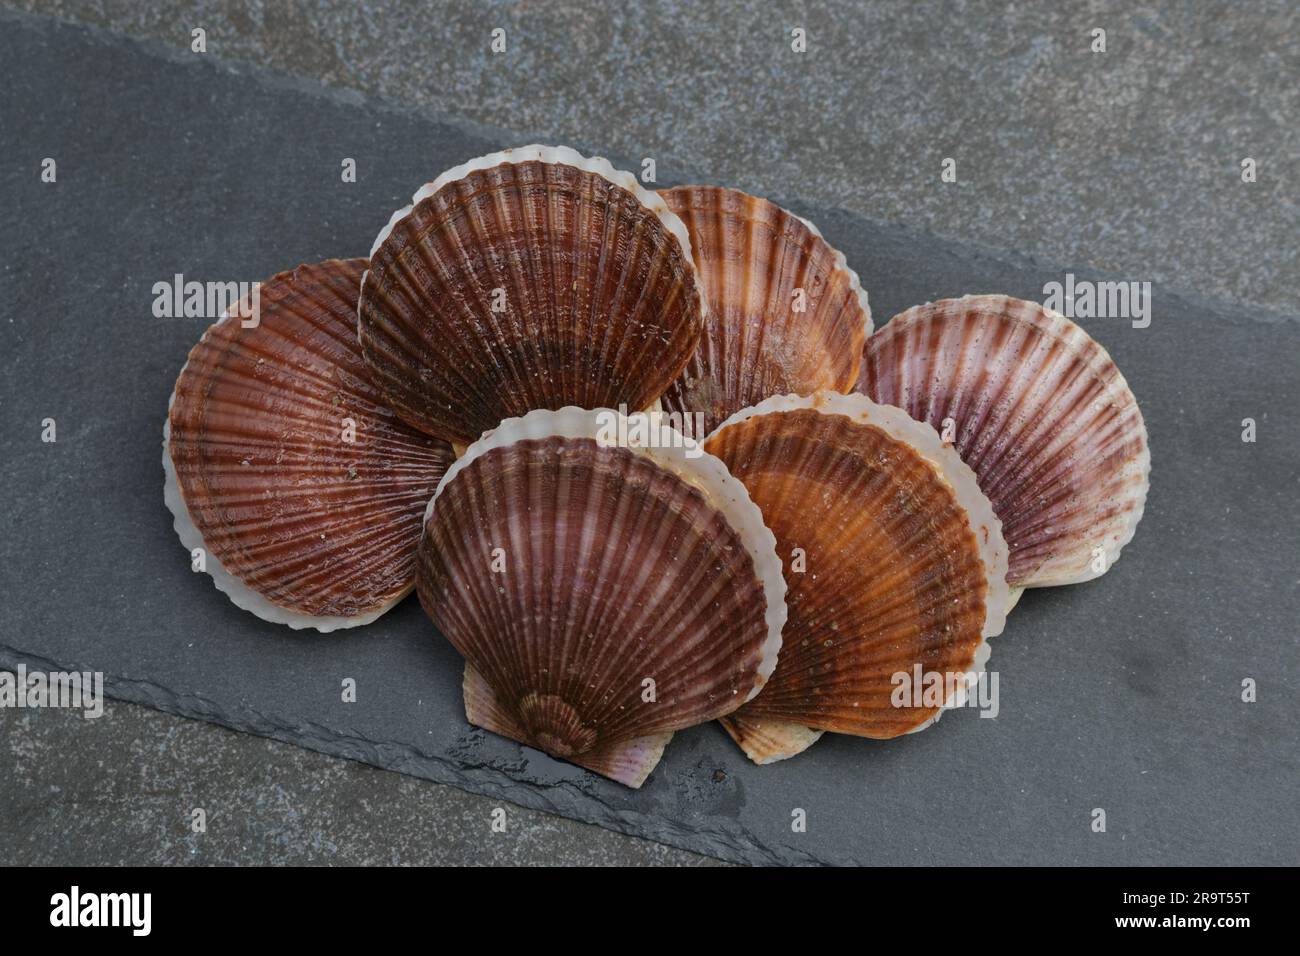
[882,567]
[785,315]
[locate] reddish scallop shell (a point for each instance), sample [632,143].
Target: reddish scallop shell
[300,525]
[603,595]
[893,559]
[1039,411]
[532,278]
[761,337]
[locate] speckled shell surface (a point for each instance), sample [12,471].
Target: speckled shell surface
[892,558]
[300,525]
[1039,411]
[532,278]
[569,571]
[751,256]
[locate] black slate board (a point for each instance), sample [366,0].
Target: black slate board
[1123,693]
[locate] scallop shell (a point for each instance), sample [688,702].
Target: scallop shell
[299,525]
[758,340]
[893,558]
[531,278]
[1039,411]
[569,566]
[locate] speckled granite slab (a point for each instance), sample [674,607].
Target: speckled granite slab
[1123,694]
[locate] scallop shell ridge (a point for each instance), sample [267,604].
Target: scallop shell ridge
[632,562]
[265,471]
[849,633]
[546,154]
[530,278]
[785,312]
[1041,413]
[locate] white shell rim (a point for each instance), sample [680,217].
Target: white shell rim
[842,265]
[705,473]
[557,155]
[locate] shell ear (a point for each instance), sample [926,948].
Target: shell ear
[766,739]
[785,312]
[303,492]
[628,762]
[1040,413]
[531,278]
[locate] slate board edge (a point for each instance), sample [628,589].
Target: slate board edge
[734,847]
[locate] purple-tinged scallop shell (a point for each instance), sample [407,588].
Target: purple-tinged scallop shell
[603,594]
[1041,414]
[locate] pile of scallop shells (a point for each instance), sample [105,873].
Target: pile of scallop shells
[645,464]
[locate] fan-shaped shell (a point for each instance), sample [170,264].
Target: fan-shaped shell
[531,278]
[893,558]
[1039,411]
[570,570]
[785,312]
[283,463]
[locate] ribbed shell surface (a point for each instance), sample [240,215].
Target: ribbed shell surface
[313,522]
[1041,415]
[527,285]
[567,574]
[891,569]
[751,256]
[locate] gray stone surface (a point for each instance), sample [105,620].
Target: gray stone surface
[121,789]
[1126,161]
[1122,693]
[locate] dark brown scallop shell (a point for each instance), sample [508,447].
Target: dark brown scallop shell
[300,524]
[893,559]
[1039,411]
[761,337]
[533,278]
[569,573]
